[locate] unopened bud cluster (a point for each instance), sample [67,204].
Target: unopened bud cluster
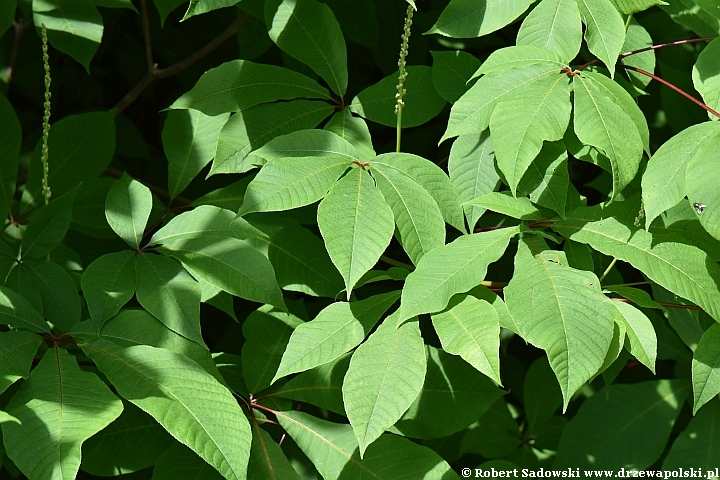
[401,91]
[46,117]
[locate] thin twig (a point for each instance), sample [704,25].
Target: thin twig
[146,35]
[673,87]
[155,73]
[20,28]
[396,263]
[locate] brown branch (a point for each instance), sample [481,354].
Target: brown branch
[20,28]
[671,86]
[146,35]
[155,73]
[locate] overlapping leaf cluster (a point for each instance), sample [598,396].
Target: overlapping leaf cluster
[106,367]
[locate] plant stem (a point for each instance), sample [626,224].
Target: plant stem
[628,22]
[633,284]
[607,270]
[396,263]
[46,117]
[402,75]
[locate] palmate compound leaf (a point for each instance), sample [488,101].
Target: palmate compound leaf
[60,406]
[561,310]
[663,183]
[333,448]
[170,294]
[251,129]
[189,138]
[623,426]
[17,350]
[554,25]
[453,268]
[337,329]
[472,112]
[232,265]
[471,166]
[420,224]
[108,283]
[454,396]
[356,224]
[604,30]
[538,112]
[385,376]
[698,446]
[432,178]
[192,405]
[470,328]
[470,18]
[706,368]
[308,31]
[601,119]
[685,270]
[239,84]
[127,209]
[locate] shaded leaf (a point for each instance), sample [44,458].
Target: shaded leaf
[180,463]
[451,73]
[354,130]
[705,372]
[59,293]
[505,203]
[108,283]
[267,460]
[17,350]
[16,311]
[128,208]
[48,227]
[468,18]
[640,333]
[10,139]
[698,445]
[320,386]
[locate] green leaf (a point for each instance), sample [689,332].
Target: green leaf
[505,203]
[308,31]
[354,130]
[683,269]
[178,462]
[287,183]
[356,225]
[624,426]
[336,330]
[82,147]
[232,265]
[640,333]
[16,311]
[59,293]
[239,84]
[267,459]
[332,447]
[454,268]
[17,350]
[472,112]
[230,197]
[701,192]
[267,332]
[88,214]
[298,256]
[189,138]
[48,227]
[452,387]
[320,386]
[541,394]
[108,283]
[635,295]
[168,292]
[697,446]
[60,406]
[470,328]
[164,8]
[451,73]
[561,310]
[308,143]
[385,376]
[636,38]
[432,178]
[705,372]
[128,208]
[198,7]
[132,442]
[471,166]
[604,32]
[74,28]
[469,18]
[10,141]
[663,183]
[21,282]
[628,7]
[420,224]
[422,102]
[496,435]
[186,400]
[249,130]
[202,221]
[7,15]
[547,180]
[518,57]
[599,121]
[554,25]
